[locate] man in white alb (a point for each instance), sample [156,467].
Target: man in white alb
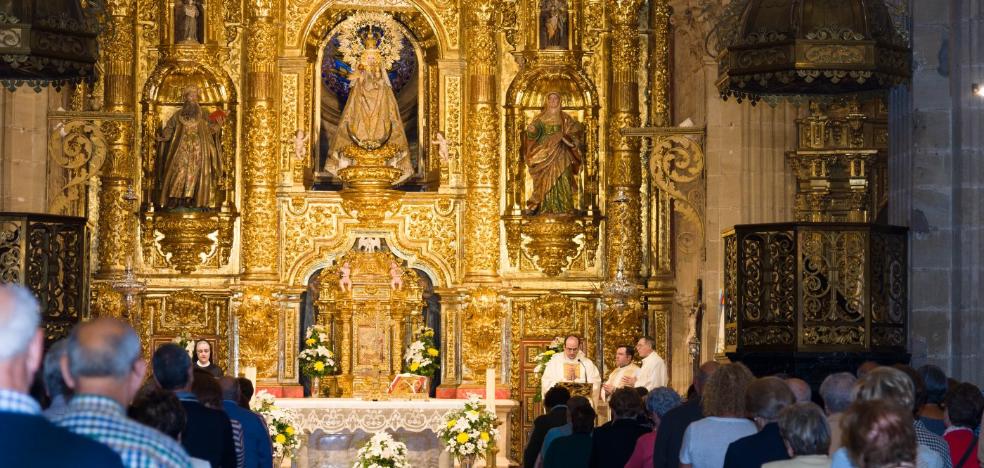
[653,371]
[624,367]
[571,366]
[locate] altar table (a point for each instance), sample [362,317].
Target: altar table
[335,428]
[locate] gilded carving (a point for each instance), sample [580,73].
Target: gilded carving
[258,316]
[481,334]
[677,169]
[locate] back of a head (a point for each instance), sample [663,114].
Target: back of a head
[879,433]
[964,405]
[207,389]
[54,383]
[230,388]
[171,364]
[865,368]
[245,391]
[918,386]
[887,383]
[801,390]
[19,320]
[703,374]
[837,391]
[935,381]
[625,403]
[804,428]
[575,401]
[661,400]
[724,394]
[556,396]
[159,409]
[104,347]
[766,397]
[582,419]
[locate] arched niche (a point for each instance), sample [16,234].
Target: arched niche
[417,97]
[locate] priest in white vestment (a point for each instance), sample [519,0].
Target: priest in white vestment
[571,366]
[652,374]
[624,367]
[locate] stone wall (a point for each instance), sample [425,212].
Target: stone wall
[23,148]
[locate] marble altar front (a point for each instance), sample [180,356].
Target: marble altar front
[335,429]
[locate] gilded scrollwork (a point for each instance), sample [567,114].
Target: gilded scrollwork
[677,170]
[481,340]
[258,317]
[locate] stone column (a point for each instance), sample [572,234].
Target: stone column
[117,225]
[259,231]
[622,228]
[481,146]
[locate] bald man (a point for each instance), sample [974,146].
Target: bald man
[801,389]
[102,363]
[26,437]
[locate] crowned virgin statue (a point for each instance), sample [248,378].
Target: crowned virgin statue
[552,150]
[371,116]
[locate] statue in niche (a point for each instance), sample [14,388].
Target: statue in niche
[191,156]
[552,151]
[553,24]
[371,115]
[188,22]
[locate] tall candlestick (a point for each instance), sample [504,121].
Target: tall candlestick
[490,389]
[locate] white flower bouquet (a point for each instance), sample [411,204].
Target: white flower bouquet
[280,422]
[470,432]
[382,451]
[421,357]
[555,346]
[185,341]
[317,360]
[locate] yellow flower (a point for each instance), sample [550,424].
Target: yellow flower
[290,430]
[451,423]
[319,366]
[310,341]
[462,438]
[414,366]
[484,436]
[550,352]
[432,351]
[280,438]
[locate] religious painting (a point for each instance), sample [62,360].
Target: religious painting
[369,81]
[371,347]
[554,19]
[189,21]
[553,152]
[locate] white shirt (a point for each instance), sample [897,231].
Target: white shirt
[706,441]
[615,378]
[653,372]
[561,369]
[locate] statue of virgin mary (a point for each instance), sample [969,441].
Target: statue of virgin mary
[371,114]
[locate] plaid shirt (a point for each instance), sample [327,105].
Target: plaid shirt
[139,446]
[926,438]
[16,402]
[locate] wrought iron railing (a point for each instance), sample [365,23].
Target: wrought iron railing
[815,287]
[48,254]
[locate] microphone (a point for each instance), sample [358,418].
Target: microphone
[585,370]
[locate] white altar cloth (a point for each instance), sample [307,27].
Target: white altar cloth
[335,428]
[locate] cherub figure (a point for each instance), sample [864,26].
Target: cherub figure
[396,283]
[300,138]
[345,282]
[442,145]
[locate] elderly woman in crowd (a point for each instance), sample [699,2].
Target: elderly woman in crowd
[764,399]
[705,441]
[806,435]
[658,402]
[879,434]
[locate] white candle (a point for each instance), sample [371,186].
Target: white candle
[490,389]
[250,373]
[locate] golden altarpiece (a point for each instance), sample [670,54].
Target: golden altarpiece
[523,168]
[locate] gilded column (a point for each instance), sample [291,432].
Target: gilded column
[481,147]
[117,225]
[260,126]
[660,64]
[622,229]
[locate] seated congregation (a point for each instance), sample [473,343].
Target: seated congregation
[103,411]
[884,417]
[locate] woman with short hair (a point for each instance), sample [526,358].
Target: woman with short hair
[879,434]
[806,434]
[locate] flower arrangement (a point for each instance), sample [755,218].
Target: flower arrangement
[470,432]
[382,451]
[555,346]
[316,360]
[185,341]
[421,357]
[280,423]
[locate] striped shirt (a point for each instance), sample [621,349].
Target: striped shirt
[105,420]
